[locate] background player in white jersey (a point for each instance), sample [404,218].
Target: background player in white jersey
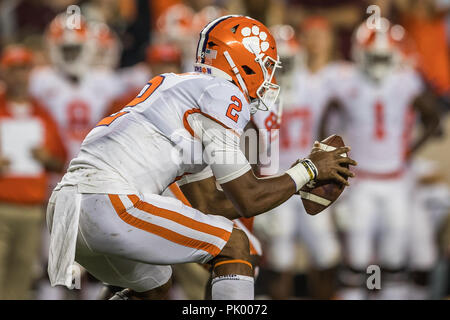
[304,100]
[108,213]
[76,89]
[376,95]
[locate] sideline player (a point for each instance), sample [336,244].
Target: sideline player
[76,93]
[376,96]
[107,212]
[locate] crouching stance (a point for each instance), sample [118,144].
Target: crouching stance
[108,214]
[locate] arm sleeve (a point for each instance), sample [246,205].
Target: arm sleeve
[415,83]
[222,150]
[193,177]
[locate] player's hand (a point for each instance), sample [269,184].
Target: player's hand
[42,155]
[4,165]
[331,165]
[47,160]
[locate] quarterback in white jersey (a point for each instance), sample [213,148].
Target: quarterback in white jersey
[378,94]
[108,214]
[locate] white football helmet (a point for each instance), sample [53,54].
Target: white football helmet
[107,45]
[377,49]
[287,46]
[71,50]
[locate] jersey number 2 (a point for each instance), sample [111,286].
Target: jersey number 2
[233,109]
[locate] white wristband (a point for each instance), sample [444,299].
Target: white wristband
[299,174]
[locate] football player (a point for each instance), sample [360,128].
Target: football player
[107,213]
[72,88]
[376,95]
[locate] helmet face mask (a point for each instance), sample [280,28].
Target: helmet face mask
[377,52]
[378,65]
[71,51]
[242,50]
[269,90]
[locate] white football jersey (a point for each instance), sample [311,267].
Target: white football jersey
[267,124]
[380,117]
[303,105]
[76,107]
[152,142]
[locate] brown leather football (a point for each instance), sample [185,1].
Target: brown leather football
[317,196]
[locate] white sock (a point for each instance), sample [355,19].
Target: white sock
[233,287]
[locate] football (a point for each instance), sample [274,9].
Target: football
[317,196]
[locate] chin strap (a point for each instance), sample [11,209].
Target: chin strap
[236,73]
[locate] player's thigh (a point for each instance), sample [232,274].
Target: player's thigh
[362,206]
[363,210]
[421,244]
[397,205]
[318,233]
[278,229]
[151,229]
[395,227]
[124,273]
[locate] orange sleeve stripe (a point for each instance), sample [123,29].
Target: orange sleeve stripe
[233,261]
[244,222]
[160,231]
[179,194]
[180,219]
[187,126]
[108,120]
[253,251]
[248,223]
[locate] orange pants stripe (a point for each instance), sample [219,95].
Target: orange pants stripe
[158,230]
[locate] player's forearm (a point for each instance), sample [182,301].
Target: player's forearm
[256,196]
[204,196]
[431,125]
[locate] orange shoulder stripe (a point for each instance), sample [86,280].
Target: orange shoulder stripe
[187,126]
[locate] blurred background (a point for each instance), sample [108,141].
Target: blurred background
[384,86]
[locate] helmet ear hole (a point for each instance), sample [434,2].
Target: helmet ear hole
[248,70]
